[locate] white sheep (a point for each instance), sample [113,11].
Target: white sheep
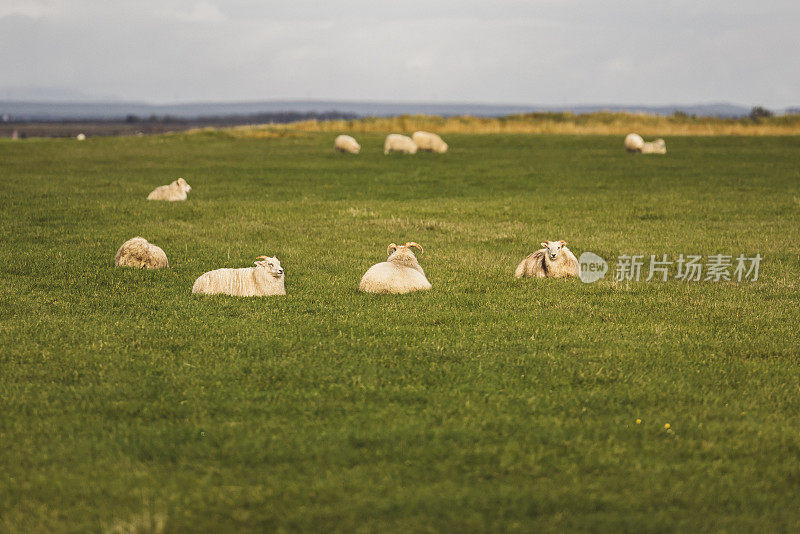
[345,143]
[265,279]
[400,273]
[399,143]
[137,252]
[634,142]
[554,260]
[429,141]
[656,147]
[81,137]
[173,192]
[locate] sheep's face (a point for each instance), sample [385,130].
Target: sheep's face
[441,147]
[403,253]
[271,265]
[183,185]
[553,248]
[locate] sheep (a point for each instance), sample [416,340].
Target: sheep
[429,142]
[400,273]
[634,142]
[399,143]
[345,143]
[656,147]
[137,252]
[81,137]
[175,191]
[265,279]
[554,260]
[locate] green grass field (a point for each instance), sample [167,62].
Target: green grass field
[486,404]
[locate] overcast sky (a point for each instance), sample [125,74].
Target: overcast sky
[500,51]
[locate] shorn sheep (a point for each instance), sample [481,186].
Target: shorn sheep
[137,252]
[400,273]
[634,142]
[399,143]
[554,260]
[265,279]
[429,142]
[656,147]
[173,192]
[345,143]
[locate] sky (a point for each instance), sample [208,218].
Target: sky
[548,52]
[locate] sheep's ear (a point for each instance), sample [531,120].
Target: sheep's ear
[544,243]
[390,250]
[563,243]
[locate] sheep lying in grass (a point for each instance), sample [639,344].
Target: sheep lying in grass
[656,147]
[399,143]
[554,260]
[400,273]
[175,191]
[634,142]
[429,142]
[137,252]
[345,143]
[265,279]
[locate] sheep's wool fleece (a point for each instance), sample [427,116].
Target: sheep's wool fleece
[137,252]
[429,141]
[345,143]
[399,143]
[634,142]
[656,147]
[401,273]
[172,192]
[245,282]
[539,265]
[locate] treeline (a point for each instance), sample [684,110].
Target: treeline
[283,117]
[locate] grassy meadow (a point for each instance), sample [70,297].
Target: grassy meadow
[486,404]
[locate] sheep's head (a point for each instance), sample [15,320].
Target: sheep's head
[403,253]
[440,146]
[272,265]
[553,248]
[183,185]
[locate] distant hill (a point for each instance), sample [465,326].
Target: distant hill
[17,110]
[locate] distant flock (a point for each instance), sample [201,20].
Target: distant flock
[425,141]
[400,273]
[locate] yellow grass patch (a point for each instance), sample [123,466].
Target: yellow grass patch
[603,123]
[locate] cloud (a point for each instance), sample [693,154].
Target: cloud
[200,12]
[510,51]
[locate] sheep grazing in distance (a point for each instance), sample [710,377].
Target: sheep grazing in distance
[345,143]
[81,137]
[173,192]
[656,147]
[429,142]
[399,143]
[400,273]
[554,260]
[634,142]
[265,279]
[137,252]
